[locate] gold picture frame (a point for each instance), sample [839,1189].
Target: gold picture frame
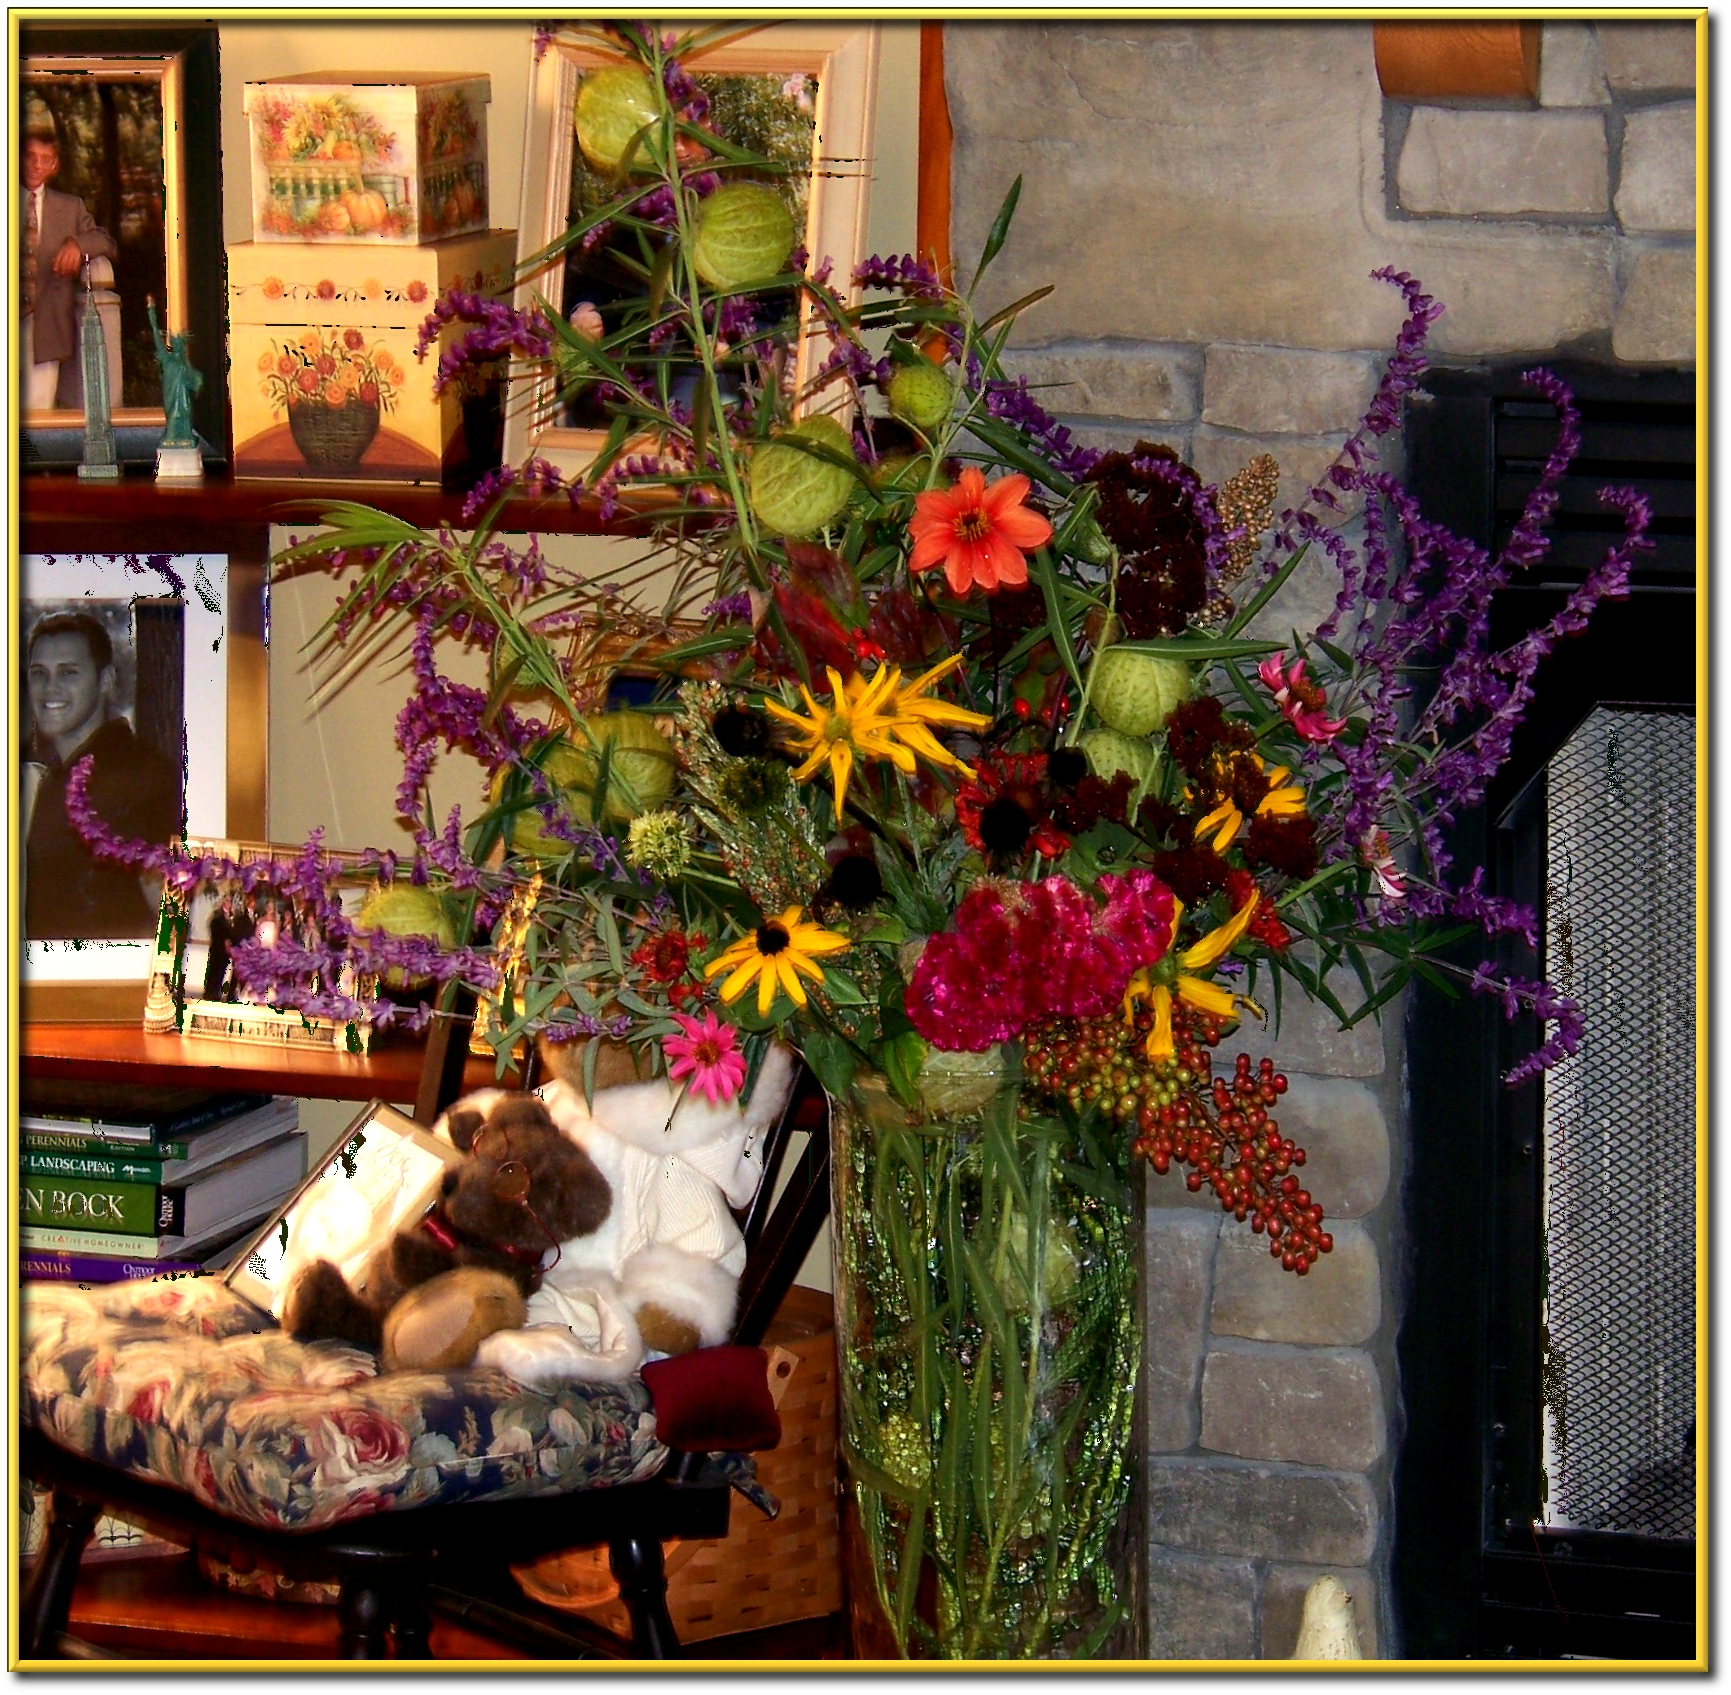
[841,57]
[191,990]
[147,166]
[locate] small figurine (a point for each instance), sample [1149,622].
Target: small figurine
[99,463]
[177,458]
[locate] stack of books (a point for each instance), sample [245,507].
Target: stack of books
[119,1182]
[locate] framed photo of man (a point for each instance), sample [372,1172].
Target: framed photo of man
[125,670]
[110,161]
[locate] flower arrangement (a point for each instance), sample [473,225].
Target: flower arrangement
[978,770]
[330,367]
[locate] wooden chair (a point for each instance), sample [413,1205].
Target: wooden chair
[393,1565]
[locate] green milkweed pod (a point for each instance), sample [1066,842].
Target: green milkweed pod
[744,236]
[794,493]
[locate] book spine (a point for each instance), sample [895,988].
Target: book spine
[48,1266]
[35,1238]
[68,1142]
[115,1168]
[92,1203]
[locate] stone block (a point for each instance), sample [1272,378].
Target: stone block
[1111,379]
[1311,1406]
[1571,67]
[1200,1608]
[1656,320]
[1466,163]
[1657,191]
[1643,58]
[1177,1278]
[1340,1126]
[1260,1511]
[1529,292]
[1337,1303]
[1307,1036]
[1207,182]
[1283,1592]
[1286,391]
[1218,454]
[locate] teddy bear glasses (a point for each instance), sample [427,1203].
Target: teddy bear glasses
[511,1180]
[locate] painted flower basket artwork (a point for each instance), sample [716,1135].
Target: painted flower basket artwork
[333,388]
[978,769]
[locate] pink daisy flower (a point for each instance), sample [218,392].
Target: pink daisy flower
[708,1053]
[1300,699]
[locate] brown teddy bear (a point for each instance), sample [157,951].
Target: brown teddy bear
[436,1290]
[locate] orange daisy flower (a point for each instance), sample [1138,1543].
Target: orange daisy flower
[978,533]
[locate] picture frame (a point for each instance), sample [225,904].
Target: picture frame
[139,112]
[165,620]
[383,1172]
[192,989]
[843,60]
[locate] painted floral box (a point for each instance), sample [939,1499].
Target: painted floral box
[400,159]
[324,379]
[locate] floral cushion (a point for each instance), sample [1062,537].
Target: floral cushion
[187,1384]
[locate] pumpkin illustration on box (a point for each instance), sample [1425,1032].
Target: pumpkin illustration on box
[332,386]
[400,158]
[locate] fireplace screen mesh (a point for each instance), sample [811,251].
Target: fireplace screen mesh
[1619,1194]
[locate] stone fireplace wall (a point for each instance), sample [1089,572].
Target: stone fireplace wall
[1209,200]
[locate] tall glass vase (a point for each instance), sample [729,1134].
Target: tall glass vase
[986,1310]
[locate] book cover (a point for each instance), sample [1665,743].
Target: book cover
[162,1209]
[173,1161]
[123,1112]
[36,1238]
[47,1265]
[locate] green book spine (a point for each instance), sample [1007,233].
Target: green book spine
[93,1203]
[58,1142]
[114,1168]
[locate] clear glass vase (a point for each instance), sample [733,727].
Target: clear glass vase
[986,1262]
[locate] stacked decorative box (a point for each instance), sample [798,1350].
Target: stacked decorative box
[369,200]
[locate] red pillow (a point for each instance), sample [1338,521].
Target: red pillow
[715,1400]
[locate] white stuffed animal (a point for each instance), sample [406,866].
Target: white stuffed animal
[662,1274]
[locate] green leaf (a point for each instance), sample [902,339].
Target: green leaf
[1000,230]
[1198,648]
[1015,307]
[1046,574]
[903,1056]
[830,1057]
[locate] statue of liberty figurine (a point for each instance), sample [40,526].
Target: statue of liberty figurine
[177,458]
[99,463]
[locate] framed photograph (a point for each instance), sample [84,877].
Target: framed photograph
[118,145]
[796,91]
[125,662]
[193,988]
[384,1172]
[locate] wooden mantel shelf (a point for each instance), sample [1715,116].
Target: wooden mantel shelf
[123,1053]
[52,501]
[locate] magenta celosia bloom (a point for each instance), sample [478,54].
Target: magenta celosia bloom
[1300,699]
[708,1053]
[1021,952]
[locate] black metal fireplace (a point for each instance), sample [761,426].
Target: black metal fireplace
[1546,1487]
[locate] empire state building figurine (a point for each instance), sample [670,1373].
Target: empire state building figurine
[99,463]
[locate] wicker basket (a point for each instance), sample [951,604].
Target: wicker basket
[765,1571]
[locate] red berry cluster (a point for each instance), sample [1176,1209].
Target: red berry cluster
[1181,1111]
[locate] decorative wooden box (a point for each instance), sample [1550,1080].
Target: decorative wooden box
[765,1571]
[324,379]
[399,159]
